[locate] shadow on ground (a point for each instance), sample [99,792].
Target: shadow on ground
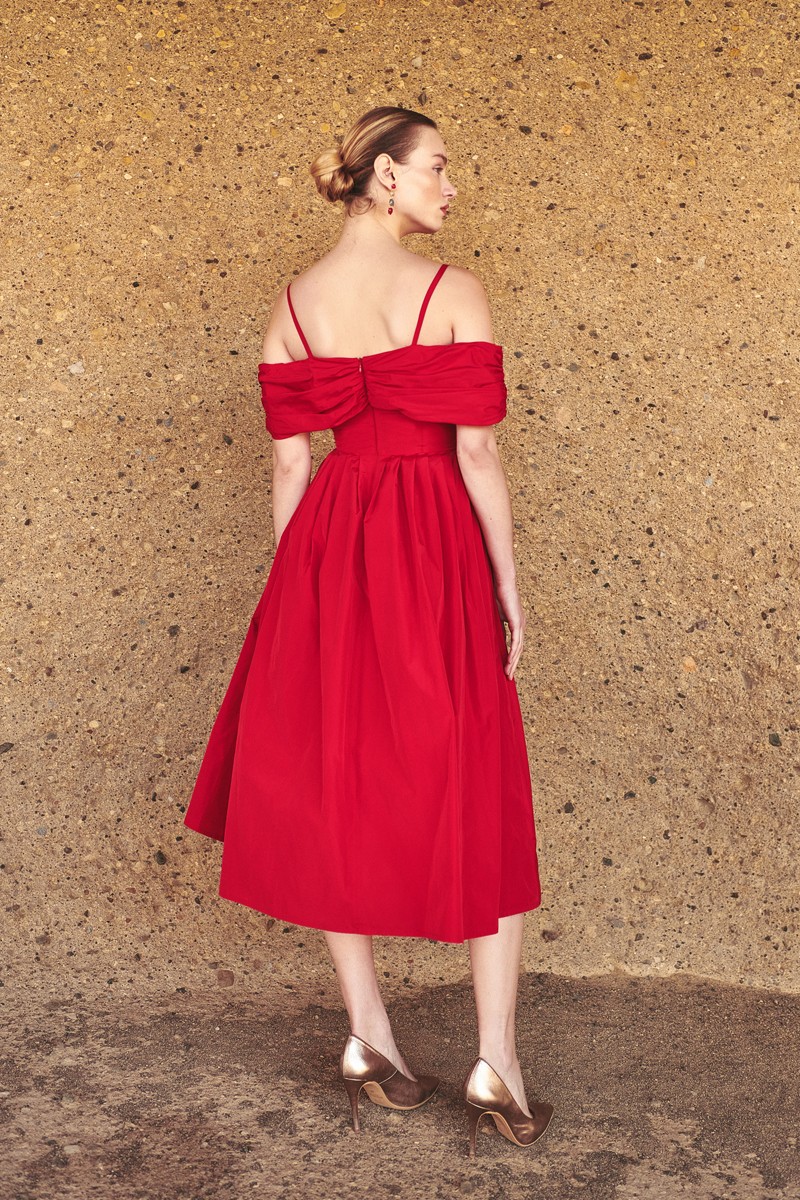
[662,1088]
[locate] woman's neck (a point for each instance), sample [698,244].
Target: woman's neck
[369,234]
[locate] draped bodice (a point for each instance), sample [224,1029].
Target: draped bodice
[461,383]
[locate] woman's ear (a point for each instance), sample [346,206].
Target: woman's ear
[384,169]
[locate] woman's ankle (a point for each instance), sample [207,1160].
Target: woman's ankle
[374,1031]
[502,1058]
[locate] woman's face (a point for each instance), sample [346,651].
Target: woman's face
[423,190]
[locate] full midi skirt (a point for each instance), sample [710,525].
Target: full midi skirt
[367,770]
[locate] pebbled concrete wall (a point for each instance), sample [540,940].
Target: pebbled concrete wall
[628,190]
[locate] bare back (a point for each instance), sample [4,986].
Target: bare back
[354,306]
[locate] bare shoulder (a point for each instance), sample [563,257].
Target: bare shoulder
[467,301]
[463,278]
[280,334]
[313,279]
[274,348]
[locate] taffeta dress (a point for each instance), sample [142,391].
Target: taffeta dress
[367,771]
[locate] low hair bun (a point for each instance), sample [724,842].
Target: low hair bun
[334,181]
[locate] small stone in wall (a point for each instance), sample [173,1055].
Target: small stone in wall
[225,978]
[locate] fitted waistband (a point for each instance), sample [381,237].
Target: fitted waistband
[378,433]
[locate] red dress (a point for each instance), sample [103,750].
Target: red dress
[367,770]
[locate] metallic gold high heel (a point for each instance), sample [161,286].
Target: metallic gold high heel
[362,1066]
[485,1093]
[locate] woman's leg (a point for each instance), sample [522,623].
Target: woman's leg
[495,963]
[354,962]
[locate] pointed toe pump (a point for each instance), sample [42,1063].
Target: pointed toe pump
[362,1066]
[486,1094]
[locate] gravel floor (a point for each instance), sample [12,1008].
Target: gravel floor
[662,1088]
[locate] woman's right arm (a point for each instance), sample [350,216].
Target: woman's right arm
[291,456]
[486,484]
[484,476]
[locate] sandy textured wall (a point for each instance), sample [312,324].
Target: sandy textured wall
[628,186]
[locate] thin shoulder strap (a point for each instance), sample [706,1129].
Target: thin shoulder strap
[297,323]
[428,295]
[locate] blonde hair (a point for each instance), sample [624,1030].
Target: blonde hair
[344,172]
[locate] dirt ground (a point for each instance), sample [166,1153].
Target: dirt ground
[662,1088]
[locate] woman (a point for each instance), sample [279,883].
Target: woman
[367,770]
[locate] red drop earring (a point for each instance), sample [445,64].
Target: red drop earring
[391,201]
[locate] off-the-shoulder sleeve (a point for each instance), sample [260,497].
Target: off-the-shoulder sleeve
[309,394]
[460,384]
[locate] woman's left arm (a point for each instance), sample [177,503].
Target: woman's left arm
[291,456]
[291,475]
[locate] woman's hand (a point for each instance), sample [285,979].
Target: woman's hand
[512,613]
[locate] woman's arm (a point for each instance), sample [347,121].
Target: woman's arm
[291,456]
[485,481]
[486,484]
[484,476]
[291,475]
[476,446]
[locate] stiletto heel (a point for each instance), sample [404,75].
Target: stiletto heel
[474,1114]
[362,1066]
[353,1087]
[485,1093]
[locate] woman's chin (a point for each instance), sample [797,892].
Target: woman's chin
[438,221]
